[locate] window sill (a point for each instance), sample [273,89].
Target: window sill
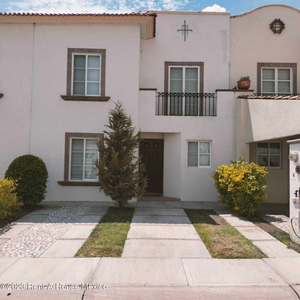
[78,183]
[85,98]
[1,95]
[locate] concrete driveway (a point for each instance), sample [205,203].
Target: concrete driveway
[163,258]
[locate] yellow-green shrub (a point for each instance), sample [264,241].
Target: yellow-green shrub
[9,203]
[241,186]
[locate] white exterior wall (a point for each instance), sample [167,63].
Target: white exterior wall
[172,165]
[252,41]
[15,84]
[51,115]
[208,43]
[195,184]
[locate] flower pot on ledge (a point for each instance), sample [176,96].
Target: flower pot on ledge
[244,83]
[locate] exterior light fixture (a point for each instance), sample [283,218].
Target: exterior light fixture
[277,26]
[293,156]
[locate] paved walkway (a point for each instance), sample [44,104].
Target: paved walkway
[160,261]
[49,232]
[163,233]
[276,214]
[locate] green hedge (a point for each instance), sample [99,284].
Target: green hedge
[31,176]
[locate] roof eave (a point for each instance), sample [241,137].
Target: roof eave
[146,21]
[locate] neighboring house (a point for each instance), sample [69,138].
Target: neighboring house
[272,61]
[174,73]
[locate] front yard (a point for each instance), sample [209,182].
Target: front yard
[220,238]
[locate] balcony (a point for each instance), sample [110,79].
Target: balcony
[186,104]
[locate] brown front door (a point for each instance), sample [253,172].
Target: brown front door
[152,152]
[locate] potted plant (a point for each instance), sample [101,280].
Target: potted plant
[244,83]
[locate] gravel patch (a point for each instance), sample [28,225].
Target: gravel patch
[279,221]
[36,239]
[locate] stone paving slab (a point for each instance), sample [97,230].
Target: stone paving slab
[5,263]
[43,211]
[256,234]
[160,220]
[89,219]
[30,218]
[12,230]
[64,248]
[230,272]
[275,249]
[142,211]
[2,241]
[162,232]
[165,249]
[159,204]
[78,232]
[31,294]
[237,221]
[59,204]
[287,267]
[203,205]
[50,270]
[194,293]
[140,272]
[97,210]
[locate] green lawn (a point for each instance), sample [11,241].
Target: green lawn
[221,239]
[109,236]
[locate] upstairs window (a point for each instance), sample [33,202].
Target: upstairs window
[277,81]
[184,80]
[277,78]
[86,75]
[184,83]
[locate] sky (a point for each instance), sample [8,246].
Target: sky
[235,7]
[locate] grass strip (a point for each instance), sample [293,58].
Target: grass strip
[109,236]
[220,238]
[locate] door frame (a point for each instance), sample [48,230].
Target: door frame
[162,178]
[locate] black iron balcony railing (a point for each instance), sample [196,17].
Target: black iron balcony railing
[186,104]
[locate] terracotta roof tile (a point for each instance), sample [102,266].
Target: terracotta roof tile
[271,97]
[140,13]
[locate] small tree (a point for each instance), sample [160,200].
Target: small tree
[121,173]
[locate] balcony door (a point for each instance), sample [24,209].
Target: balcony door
[183,89]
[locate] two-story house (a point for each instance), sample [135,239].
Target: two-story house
[173,71]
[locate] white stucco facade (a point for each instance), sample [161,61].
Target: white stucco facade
[253,42]
[139,53]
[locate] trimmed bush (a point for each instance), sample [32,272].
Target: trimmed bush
[9,203]
[241,186]
[31,176]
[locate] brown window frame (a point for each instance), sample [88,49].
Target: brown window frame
[68,136]
[269,154]
[69,97]
[292,66]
